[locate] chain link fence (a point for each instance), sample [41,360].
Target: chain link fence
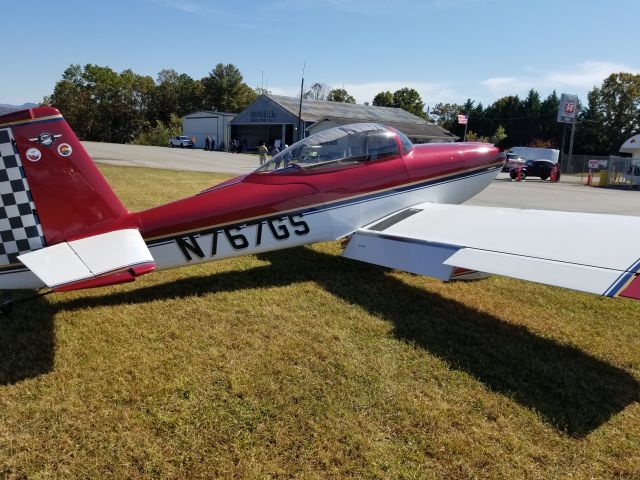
[606,171]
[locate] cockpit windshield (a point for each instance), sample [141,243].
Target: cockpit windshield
[344,145]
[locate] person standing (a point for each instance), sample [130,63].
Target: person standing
[193,141]
[262,151]
[213,143]
[207,143]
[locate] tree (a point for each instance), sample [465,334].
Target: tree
[73,99]
[474,137]
[551,129]
[499,136]
[340,95]
[101,104]
[317,91]
[225,90]
[160,134]
[131,108]
[262,91]
[176,93]
[614,110]
[446,114]
[409,99]
[383,99]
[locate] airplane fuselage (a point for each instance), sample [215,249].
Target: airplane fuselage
[260,212]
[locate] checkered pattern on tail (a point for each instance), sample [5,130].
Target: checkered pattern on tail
[20,229]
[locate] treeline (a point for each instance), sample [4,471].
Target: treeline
[612,115]
[103,105]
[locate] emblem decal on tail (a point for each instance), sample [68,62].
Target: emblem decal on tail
[64,149]
[46,139]
[33,154]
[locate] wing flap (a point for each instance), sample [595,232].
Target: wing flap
[82,262]
[589,252]
[422,258]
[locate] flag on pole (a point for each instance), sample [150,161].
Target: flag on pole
[462,119]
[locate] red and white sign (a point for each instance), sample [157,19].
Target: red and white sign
[568,108]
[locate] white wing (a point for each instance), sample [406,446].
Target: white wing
[583,251]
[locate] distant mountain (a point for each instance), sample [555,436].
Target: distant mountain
[6,108]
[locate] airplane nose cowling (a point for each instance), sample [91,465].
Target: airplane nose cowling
[431,160]
[479,154]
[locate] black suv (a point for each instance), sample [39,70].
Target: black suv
[533,168]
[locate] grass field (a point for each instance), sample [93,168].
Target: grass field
[303,364]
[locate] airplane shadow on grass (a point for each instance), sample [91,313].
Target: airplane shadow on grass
[573,391]
[27,341]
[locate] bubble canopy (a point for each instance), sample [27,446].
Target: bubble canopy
[339,146]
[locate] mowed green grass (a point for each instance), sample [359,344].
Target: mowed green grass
[303,364]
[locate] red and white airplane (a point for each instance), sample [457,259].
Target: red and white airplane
[62,226]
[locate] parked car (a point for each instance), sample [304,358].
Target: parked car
[180,141]
[512,160]
[533,168]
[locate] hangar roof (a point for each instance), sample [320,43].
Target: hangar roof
[410,129]
[315,110]
[208,113]
[279,109]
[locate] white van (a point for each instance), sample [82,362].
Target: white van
[533,153]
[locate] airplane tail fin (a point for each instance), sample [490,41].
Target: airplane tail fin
[50,190]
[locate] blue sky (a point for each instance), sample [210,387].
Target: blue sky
[448,50]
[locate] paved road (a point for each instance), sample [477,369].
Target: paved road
[171,158]
[565,195]
[533,193]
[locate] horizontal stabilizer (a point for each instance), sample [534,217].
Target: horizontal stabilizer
[104,259]
[582,251]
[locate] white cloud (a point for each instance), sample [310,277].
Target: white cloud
[588,74]
[182,5]
[376,7]
[431,93]
[577,79]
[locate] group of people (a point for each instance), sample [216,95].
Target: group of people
[263,150]
[210,143]
[237,146]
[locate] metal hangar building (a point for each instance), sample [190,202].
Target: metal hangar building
[203,124]
[274,120]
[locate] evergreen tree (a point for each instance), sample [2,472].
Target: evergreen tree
[225,91]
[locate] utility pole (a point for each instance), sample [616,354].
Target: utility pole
[300,107]
[573,131]
[464,139]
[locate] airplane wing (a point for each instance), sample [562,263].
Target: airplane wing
[106,259]
[583,251]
